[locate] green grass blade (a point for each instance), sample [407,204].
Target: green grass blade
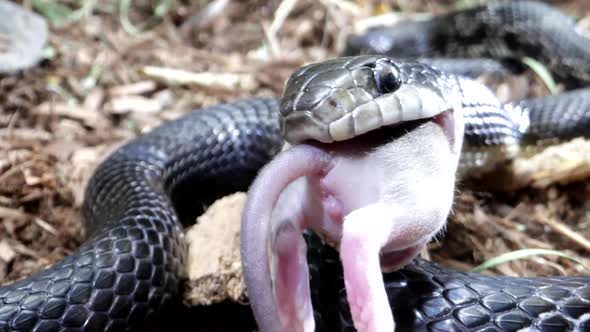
[161,9]
[59,14]
[464,4]
[542,72]
[525,253]
[56,13]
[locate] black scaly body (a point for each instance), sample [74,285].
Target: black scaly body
[505,30]
[132,262]
[427,297]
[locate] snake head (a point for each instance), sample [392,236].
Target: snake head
[346,97]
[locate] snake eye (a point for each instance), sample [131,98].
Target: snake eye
[387,76]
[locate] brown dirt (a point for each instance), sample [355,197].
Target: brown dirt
[215,274]
[59,119]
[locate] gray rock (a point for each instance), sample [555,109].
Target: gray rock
[23,34]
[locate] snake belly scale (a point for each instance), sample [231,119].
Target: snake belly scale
[130,266]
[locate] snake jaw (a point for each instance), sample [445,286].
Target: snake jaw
[396,259]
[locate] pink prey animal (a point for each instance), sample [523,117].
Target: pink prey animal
[377,186]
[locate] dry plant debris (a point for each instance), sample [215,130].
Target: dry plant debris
[60,118]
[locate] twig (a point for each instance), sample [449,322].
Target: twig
[226,81]
[270,32]
[204,17]
[15,169]
[281,14]
[564,230]
[519,239]
[24,250]
[46,226]
[6,213]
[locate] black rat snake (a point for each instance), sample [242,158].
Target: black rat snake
[131,264]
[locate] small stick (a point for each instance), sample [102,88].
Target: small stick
[564,230]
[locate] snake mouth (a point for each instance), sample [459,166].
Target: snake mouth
[447,121]
[385,134]
[395,259]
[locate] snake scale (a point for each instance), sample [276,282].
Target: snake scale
[130,266]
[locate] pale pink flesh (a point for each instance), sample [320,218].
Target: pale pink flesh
[394,197]
[292,280]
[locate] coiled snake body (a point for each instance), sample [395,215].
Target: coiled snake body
[131,264]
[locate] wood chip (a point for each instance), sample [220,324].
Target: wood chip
[137,88]
[91,117]
[558,164]
[7,254]
[8,213]
[14,157]
[565,163]
[46,226]
[25,134]
[223,81]
[94,99]
[134,104]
